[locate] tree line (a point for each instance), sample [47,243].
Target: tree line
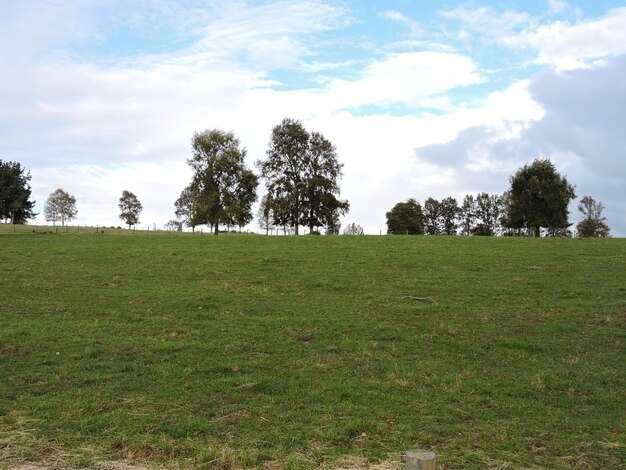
[537,202]
[301,172]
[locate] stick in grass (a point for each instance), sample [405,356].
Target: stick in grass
[425,299]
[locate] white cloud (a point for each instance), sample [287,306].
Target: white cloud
[558,6]
[394,15]
[404,78]
[486,21]
[568,46]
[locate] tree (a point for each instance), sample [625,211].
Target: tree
[322,169]
[224,188]
[284,169]
[405,218]
[265,214]
[538,198]
[431,213]
[130,208]
[488,211]
[174,225]
[60,207]
[593,224]
[15,191]
[467,214]
[353,229]
[448,214]
[301,173]
[189,209]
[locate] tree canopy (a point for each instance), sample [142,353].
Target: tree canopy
[60,207]
[222,189]
[406,218]
[302,173]
[130,208]
[15,191]
[538,198]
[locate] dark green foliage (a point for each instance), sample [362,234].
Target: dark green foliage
[488,211]
[284,171]
[593,223]
[467,214]
[538,198]
[222,189]
[15,203]
[189,209]
[432,215]
[130,208]
[406,218]
[302,173]
[448,215]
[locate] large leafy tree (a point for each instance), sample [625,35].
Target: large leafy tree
[301,173]
[60,207]
[224,187]
[538,198]
[406,218]
[130,208]
[593,223]
[284,169]
[322,170]
[15,191]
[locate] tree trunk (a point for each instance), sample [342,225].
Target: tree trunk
[217,228]
[538,231]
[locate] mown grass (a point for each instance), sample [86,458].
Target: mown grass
[297,352]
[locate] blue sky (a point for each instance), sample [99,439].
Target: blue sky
[421,98]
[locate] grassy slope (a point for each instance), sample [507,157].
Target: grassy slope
[238,350]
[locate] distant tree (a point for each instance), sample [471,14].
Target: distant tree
[556,232]
[593,223]
[265,214]
[60,207]
[406,218]
[331,215]
[130,208]
[224,187]
[302,173]
[189,208]
[15,191]
[432,217]
[353,229]
[488,211]
[448,215]
[467,214]
[174,225]
[538,198]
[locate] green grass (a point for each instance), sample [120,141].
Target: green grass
[240,351]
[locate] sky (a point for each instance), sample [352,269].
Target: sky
[421,98]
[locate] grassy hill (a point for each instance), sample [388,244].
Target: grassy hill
[304,352]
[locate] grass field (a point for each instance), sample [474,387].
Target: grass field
[244,351]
